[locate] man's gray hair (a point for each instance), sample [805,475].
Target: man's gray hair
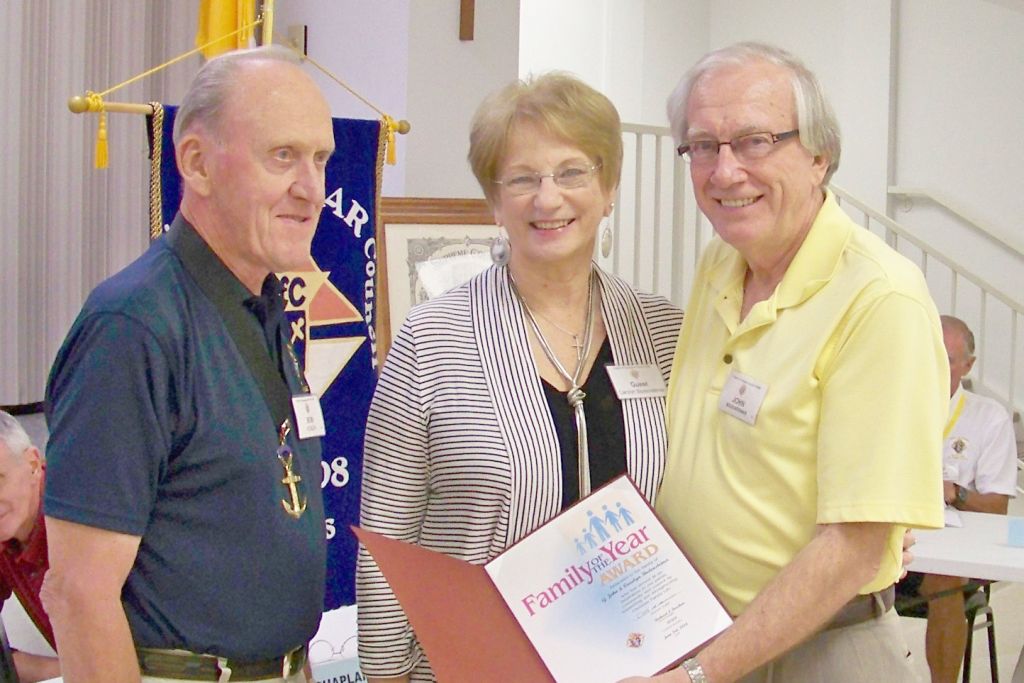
[819,129]
[12,434]
[213,84]
[950,322]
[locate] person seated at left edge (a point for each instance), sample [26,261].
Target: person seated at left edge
[23,535]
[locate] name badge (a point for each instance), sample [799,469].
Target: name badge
[309,417]
[636,381]
[742,397]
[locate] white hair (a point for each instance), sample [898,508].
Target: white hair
[13,435]
[819,128]
[213,83]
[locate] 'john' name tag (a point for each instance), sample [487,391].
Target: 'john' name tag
[309,418]
[742,397]
[636,381]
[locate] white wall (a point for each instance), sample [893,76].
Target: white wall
[634,51]
[675,36]
[961,105]
[960,117]
[365,45]
[447,78]
[564,35]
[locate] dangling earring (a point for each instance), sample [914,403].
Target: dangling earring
[606,241]
[606,235]
[500,248]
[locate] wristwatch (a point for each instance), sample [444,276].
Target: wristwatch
[694,670]
[961,496]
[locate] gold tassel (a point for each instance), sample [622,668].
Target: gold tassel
[101,154]
[390,153]
[101,142]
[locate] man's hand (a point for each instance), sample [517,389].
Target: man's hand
[908,557]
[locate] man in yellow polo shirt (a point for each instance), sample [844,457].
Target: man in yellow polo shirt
[808,392]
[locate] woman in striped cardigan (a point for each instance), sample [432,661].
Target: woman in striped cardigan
[473,438]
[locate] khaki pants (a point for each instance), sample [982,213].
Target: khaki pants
[873,650]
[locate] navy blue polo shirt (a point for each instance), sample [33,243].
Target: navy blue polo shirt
[159,429]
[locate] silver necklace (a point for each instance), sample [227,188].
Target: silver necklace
[577,343]
[575,395]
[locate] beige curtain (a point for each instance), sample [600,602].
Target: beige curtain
[63,225]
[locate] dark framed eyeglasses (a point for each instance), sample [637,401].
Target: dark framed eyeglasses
[749,147]
[568,178]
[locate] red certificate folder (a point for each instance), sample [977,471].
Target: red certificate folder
[459,617]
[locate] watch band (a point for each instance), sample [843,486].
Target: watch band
[694,670]
[961,495]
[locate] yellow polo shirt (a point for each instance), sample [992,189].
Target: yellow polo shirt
[849,352]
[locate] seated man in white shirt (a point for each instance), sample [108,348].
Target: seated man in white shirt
[979,469]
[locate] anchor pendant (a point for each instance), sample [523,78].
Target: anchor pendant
[296,507]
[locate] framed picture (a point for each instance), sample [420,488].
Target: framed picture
[425,248]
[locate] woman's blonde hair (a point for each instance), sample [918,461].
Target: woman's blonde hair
[557,102]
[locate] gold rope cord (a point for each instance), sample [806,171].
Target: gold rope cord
[177,59]
[342,83]
[390,125]
[378,234]
[156,200]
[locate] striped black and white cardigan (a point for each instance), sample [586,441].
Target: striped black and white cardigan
[461,454]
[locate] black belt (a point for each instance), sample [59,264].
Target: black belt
[188,666]
[863,608]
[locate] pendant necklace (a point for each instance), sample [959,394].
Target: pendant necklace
[575,395]
[296,505]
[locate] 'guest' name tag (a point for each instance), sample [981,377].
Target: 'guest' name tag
[742,397]
[636,381]
[309,417]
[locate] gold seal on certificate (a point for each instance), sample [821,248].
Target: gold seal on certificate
[599,593]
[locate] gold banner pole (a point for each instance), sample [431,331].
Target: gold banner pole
[79,105]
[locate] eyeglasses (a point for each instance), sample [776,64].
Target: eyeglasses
[567,178]
[746,148]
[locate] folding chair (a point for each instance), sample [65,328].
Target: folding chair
[975,604]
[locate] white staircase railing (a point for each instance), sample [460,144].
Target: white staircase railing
[659,232]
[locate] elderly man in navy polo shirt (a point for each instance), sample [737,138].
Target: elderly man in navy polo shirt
[185,521]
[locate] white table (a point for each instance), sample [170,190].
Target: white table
[977,550]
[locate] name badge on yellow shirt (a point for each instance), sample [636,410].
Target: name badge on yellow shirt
[309,417]
[742,397]
[636,381]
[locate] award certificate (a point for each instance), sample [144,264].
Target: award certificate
[603,592]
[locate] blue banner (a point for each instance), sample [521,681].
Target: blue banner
[331,310]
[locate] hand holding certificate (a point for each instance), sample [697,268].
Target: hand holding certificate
[599,593]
